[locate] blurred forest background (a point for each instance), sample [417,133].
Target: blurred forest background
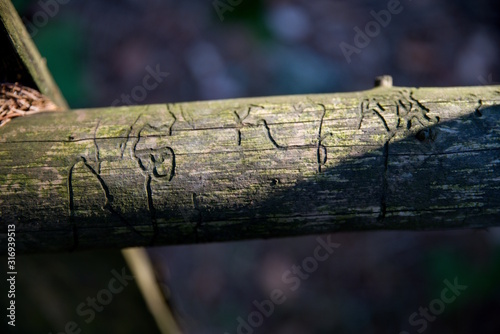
[98,50]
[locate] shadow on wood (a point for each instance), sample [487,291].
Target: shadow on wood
[154,176]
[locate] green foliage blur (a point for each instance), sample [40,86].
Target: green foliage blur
[62,44]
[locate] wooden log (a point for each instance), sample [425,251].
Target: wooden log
[387,158]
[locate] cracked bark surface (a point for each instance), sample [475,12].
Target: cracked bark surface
[387,158]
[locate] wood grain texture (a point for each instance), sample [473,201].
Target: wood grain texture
[387,158]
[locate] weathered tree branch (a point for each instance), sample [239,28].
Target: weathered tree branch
[20,60]
[388,158]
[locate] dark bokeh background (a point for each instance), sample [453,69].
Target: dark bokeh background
[99,50]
